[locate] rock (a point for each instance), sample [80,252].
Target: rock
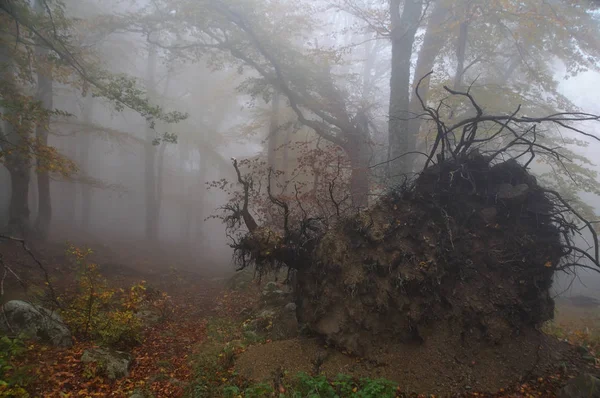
[275,298]
[35,322]
[114,364]
[583,386]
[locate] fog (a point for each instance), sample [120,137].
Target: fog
[577,90]
[128,190]
[205,197]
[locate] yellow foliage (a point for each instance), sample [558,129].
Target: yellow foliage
[13,392]
[98,312]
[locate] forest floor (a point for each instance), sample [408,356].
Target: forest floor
[177,357]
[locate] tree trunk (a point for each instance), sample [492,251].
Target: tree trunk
[151,231]
[159,178]
[432,44]
[17,161]
[404,29]
[461,48]
[161,159]
[18,221]
[272,141]
[359,152]
[84,153]
[70,186]
[44,95]
[151,203]
[201,202]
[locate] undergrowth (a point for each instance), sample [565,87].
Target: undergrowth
[302,385]
[215,375]
[95,311]
[13,380]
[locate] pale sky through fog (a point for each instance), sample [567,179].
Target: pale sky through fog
[584,91]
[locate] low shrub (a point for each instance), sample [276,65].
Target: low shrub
[12,379]
[95,311]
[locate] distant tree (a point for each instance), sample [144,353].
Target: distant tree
[506,53]
[49,35]
[263,38]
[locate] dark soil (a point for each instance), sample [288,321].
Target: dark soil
[435,367]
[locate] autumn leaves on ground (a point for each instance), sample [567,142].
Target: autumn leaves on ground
[191,347]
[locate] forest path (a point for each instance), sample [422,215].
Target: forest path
[163,363]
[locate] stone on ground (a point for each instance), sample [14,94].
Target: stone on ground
[114,364]
[35,322]
[583,386]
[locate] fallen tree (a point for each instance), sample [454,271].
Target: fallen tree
[468,248]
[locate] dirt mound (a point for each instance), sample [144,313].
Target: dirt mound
[434,367]
[469,251]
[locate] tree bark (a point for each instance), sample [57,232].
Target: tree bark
[16,160]
[404,29]
[433,42]
[84,153]
[273,131]
[461,48]
[358,150]
[151,231]
[44,95]
[200,204]
[161,158]
[18,221]
[69,203]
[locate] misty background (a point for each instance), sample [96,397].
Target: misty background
[128,189]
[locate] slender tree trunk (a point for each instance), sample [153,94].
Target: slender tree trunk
[359,152]
[272,141]
[44,95]
[18,222]
[34,196]
[461,48]
[69,203]
[433,41]
[201,202]
[161,159]
[159,177]
[16,161]
[151,230]
[404,29]
[149,178]
[84,162]
[367,78]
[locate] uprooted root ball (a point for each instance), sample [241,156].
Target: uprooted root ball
[469,251]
